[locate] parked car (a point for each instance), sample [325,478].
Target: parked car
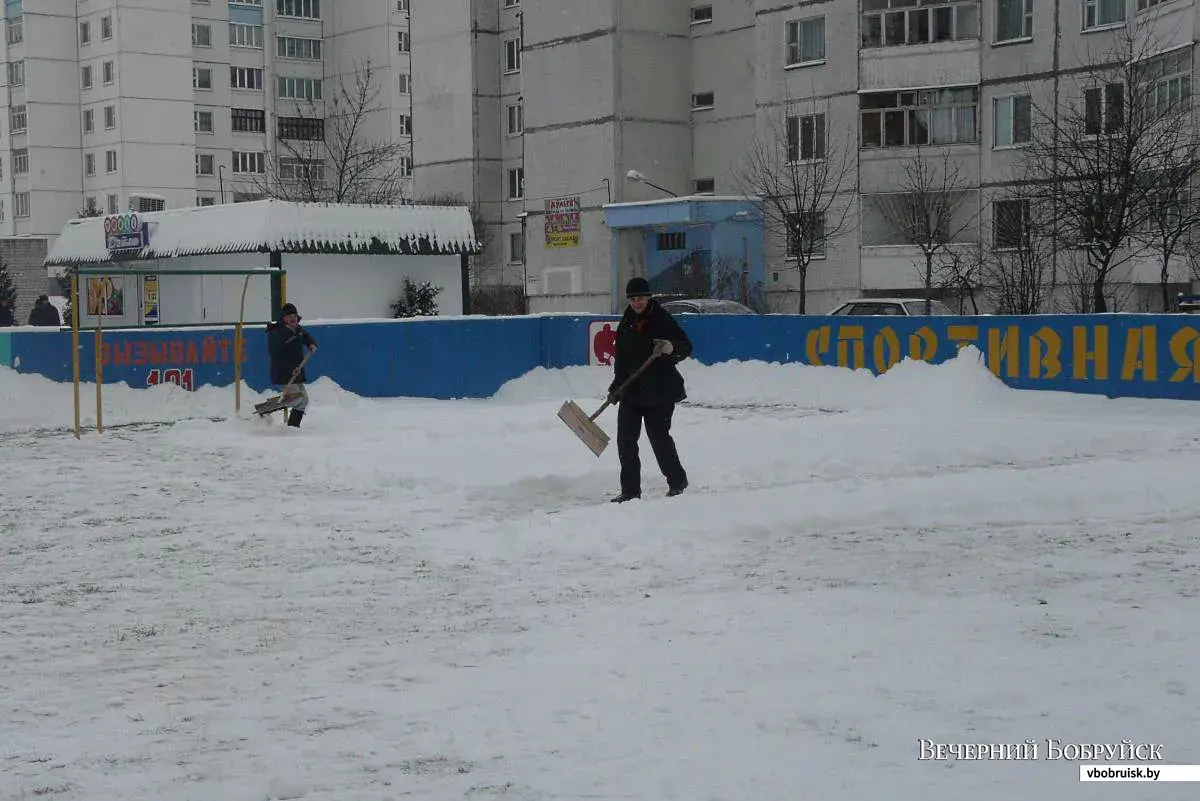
[894,307]
[706,306]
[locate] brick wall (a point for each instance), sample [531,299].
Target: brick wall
[24,257]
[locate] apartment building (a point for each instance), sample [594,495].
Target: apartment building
[519,103]
[144,104]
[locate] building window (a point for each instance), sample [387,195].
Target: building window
[307,129]
[146,204]
[300,88]
[205,164]
[806,229]
[512,55]
[113,204]
[294,47]
[673,240]
[106,27]
[404,123]
[108,72]
[1011,224]
[89,120]
[406,166]
[516,183]
[20,161]
[242,35]
[888,23]
[1101,13]
[701,14]
[248,120]
[110,161]
[205,200]
[201,35]
[1146,4]
[21,204]
[85,33]
[16,30]
[251,163]
[403,43]
[110,117]
[507,3]
[919,117]
[1167,81]
[1013,120]
[90,204]
[805,137]
[703,100]
[202,78]
[306,170]
[404,83]
[303,9]
[202,121]
[704,186]
[18,119]
[1014,20]
[1104,108]
[516,247]
[514,115]
[246,78]
[85,76]
[16,73]
[89,164]
[805,41]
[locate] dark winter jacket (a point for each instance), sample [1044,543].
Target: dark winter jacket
[44,313]
[661,384]
[287,348]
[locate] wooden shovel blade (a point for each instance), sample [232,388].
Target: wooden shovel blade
[586,429]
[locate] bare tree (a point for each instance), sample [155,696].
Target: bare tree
[729,279]
[960,275]
[800,172]
[1173,215]
[929,211]
[1090,160]
[1013,264]
[326,152]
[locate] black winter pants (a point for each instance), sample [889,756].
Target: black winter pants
[658,430]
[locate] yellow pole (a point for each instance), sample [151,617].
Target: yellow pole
[75,343]
[99,371]
[283,286]
[237,351]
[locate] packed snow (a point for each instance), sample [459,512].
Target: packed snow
[414,598]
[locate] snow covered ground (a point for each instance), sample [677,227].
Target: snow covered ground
[417,599]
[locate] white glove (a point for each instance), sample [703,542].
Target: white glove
[663,346]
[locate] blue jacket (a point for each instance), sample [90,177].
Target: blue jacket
[287,347]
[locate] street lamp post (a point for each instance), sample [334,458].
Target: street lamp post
[634,175]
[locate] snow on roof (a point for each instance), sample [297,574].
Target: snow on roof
[276,225]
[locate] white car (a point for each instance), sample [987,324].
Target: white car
[892,307]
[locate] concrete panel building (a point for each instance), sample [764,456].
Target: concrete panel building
[525,107]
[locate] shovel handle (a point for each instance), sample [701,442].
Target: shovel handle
[636,374]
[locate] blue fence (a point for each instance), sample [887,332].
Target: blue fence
[1156,356]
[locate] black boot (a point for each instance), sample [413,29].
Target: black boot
[678,488]
[295,417]
[625,496]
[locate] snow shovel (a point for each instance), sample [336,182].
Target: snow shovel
[584,426]
[282,400]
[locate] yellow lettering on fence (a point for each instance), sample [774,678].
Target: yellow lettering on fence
[1004,351]
[1141,353]
[963,335]
[1183,351]
[850,349]
[886,349]
[1097,354]
[1045,348]
[923,344]
[816,345]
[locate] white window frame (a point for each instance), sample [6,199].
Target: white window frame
[1091,12]
[1026,32]
[512,56]
[801,139]
[794,55]
[514,118]
[514,183]
[1008,118]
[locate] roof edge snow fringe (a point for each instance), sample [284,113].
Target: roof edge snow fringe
[263,226]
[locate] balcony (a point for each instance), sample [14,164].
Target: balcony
[919,43]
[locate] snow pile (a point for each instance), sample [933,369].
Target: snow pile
[965,378]
[29,401]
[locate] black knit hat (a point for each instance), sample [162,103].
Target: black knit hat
[286,309]
[637,287]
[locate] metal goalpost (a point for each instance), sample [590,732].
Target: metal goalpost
[238,338]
